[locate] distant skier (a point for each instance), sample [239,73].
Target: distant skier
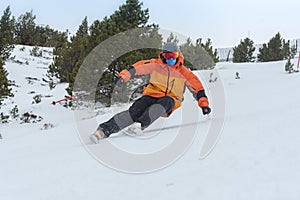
[163,94]
[237,75]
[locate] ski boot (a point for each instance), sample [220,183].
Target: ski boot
[97,136]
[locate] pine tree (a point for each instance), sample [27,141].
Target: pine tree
[244,51]
[276,49]
[71,54]
[289,66]
[263,55]
[48,37]
[4,83]
[6,34]
[26,29]
[196,56]
[70,58]
[129,16]
[288,51]
[207,46]
[26,32]
[172,38]
[190,55]
[294,50]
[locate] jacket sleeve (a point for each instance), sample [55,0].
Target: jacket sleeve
[144,67]
[195,86]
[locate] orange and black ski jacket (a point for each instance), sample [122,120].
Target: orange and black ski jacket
[169,81]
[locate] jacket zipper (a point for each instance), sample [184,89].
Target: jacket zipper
[168,81]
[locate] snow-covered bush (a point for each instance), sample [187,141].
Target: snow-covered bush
[47,126]
[30,118]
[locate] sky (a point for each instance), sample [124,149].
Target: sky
[226,22]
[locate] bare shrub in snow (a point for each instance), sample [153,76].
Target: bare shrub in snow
[22,49]
[37,99]
[4,118]
[30,118]
[211,78]
[14,112]
[47,126]
[36,51]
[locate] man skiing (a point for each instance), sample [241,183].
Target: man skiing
[163,94]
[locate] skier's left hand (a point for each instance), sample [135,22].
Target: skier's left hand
[204,105]
[206,110]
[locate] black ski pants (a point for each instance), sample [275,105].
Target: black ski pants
[145,110]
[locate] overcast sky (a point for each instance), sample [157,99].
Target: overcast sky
[226,22]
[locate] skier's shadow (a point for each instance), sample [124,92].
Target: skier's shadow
[155,131]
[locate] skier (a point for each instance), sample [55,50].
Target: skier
[163,94]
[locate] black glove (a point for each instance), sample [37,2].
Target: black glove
[206,110]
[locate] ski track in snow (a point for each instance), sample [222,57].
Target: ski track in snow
[255,158]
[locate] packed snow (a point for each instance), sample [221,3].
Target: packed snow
[256,157]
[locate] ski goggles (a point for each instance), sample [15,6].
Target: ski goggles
[168,55]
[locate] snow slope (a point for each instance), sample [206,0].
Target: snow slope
[257,156]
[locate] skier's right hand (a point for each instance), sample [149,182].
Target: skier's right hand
[124,75]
